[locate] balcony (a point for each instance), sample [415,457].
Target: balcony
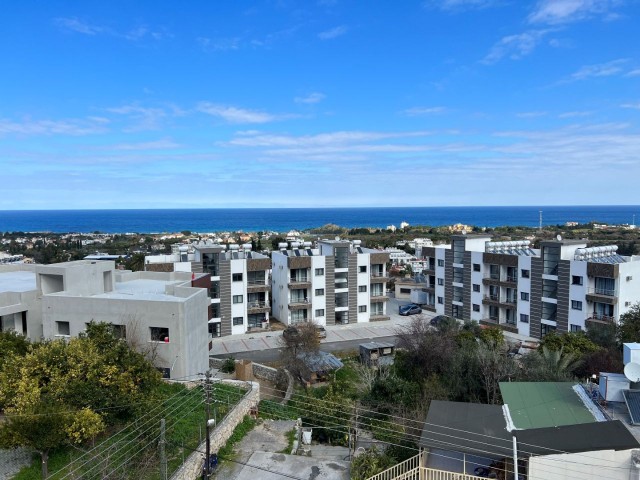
[497,279]
[300,282]
[601,318]
[378,276]
[258,286]
[497,300]
[299,304]
[494,321]
[602,295]
[258,307]
[379,297]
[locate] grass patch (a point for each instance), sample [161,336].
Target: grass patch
[291,437]
[241,430]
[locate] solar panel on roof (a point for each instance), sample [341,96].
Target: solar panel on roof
[632,399]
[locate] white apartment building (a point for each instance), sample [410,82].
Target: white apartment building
[159,313]
[563,286]
[338,282]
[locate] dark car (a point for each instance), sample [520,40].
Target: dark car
[411,309]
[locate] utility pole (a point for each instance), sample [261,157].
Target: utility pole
[163,454]
[209,423]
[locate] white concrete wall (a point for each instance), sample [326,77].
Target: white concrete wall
[440,307]
[318,302]
[628,290]
[602,464]
[239,288]
[524,285]
[476,279]
[279,287]
[364,298]
[578,293]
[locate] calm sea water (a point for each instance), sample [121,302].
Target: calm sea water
[285,219]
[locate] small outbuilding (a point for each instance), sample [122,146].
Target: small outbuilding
[318,365]
[377,354]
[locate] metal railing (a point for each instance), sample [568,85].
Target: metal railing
[601,317]
[257,304]
[299,280]
[412,469]
[257,282]
[378,273]
[602,291]
[512,278]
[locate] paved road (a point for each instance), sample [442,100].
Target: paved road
[273,354]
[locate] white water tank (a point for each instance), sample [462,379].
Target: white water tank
[631,353]
[611,386]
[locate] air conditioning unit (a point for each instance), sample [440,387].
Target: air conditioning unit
[629,278]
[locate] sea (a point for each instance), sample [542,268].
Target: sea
[286,219]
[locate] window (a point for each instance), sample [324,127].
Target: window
[63,328]
[362,288]
[238,299]
[441,281]
[476,307]
[525,273]
[476,287]
[440,300]
[159,334]
[476,267]
[405,290]
[362,269]
[524,318]
[320,312]
[524,296]
[362,308]
[575,328]
[576,305]
[440,262]
[236,277]
[319,292]
[576,280]
[119,331]
[319,272]
[238,321]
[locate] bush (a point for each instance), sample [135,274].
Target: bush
[229,365]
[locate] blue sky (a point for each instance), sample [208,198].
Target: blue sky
[160,104]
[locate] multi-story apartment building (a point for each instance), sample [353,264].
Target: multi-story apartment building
[164,314]
[563,286]
[338,282]
[240,287]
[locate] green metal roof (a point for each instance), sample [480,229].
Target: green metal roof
[544,404]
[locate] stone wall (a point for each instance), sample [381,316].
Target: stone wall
[192,467]
[264,372]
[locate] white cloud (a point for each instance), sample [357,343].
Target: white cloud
[531,114]
[333,33]
[575,114]
[258,139]
[219,44]
[75,25]
[78,26]
[515,46]
[633,73]
[162,144]
[72,127]
[418,111]
[315,97]
[238,115]
[145,118]
[635,106]
[554,12]
[458,5]
[607,69]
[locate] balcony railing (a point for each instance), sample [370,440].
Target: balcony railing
[600,317]
[299,300]
[258,304]
[512,278]
[602,291]
[299,280]
[378,273]
[257,282]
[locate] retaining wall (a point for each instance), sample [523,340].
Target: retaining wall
[192,467]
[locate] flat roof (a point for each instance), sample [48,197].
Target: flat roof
[544,404]
[20,281]
[142,289]
[373,345]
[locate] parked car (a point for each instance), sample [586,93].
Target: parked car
[411,309]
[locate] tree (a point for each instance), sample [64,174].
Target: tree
[298,341]
[12,343]
[629,329]
[545,365]
[577,344]
[52,393]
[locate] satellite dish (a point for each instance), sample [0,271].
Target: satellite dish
[632,371]
[464,232]
[559,237]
